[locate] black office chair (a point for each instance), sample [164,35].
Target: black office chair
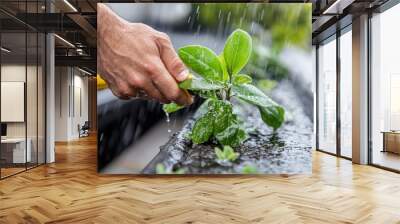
[84,130]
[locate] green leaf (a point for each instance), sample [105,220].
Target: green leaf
[241,79]
[221,111]
[233,135]
[203,61]
[224,69]
[251,94]
[201,131]
[271,113]
[273,116]
[233,156]
[237,51]
[228,154]
[172,107]
[219,153]
[196,83]
[203,109]
[249,169]
[207,94]
[160,169]
[267,84]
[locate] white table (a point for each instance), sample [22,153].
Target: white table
[19,155]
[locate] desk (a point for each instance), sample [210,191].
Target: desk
[391,141]
[16,147]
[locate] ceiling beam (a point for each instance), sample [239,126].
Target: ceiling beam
[79,61]
[86,27]
[337,7]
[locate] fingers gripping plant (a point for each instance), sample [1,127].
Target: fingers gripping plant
[218,79]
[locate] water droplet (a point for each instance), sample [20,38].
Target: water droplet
[241,22]
[168,122]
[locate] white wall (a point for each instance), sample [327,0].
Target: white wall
[71,94]
[33,126]
[12,73]
[61,103]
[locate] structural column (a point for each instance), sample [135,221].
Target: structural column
[50,98]
[360,90]
[50,91]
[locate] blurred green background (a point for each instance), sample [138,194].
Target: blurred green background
[273,27]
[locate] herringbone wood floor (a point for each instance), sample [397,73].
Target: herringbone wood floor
[70,191]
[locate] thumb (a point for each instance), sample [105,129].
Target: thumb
[172,62]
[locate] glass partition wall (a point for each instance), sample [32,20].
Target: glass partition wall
[327,96]
[22,107]
[346,72]
[385,90]
[334,94]
[334,105]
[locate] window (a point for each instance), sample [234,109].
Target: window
[327,97]
[385,89]
[346,94]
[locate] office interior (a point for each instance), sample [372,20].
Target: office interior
[46,97]
[48,68]
[48,79]
[357,83]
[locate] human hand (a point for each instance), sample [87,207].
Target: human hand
[133,58]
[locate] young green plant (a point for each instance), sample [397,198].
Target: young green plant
[218,79]
[160,169]
[226,154]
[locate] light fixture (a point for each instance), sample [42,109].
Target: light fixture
[337,7]
[70,5]
[5,50]
[333,6]
[84,71]
[65,41]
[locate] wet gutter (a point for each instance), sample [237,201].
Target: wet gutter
[287,151]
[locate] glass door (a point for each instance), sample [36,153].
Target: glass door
[22,93]
[32,99]
[13,103]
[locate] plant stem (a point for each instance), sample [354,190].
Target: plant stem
[228,94]
[228,91]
